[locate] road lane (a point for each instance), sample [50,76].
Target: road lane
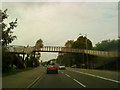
[73,79]
[91,82]
[22,79]
[79,82]
[96,76]
[115,75]
[59,80]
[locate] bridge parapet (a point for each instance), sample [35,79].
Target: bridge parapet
[23,49]
[72,50]
[58,49]
[20,49]
[48,49]
[102,53]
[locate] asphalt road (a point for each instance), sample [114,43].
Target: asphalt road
[74,79]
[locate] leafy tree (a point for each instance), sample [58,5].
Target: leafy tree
[39,43]
[69,59]
[29,62]
[66,58]
[36,60]
[6,63]
[7,31]
[81,43]
[7,38]
[32,61]
[69,43]
[107,45]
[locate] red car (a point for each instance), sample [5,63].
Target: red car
[52,67]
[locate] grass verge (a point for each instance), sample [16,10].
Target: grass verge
[15,71]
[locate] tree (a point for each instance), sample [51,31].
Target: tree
[66,58]
[32,60]
[7,38]
[81,43]
[7,31]
[69,43]
[107,45]
[69,59]
[39,43]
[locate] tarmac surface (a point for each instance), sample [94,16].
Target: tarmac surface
[22,79]
[69,78]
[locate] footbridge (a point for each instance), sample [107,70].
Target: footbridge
[59,49]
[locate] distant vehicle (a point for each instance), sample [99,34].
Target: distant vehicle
[52,67]
[62,67]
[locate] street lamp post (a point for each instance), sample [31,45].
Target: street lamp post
[83,55]
[86,49]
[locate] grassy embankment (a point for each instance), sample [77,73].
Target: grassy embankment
[15,71]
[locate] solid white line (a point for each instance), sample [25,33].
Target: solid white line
[33,82]
[30,85]
[67,75]
[79,82]
[98,76]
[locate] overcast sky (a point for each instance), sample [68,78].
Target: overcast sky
[56,22]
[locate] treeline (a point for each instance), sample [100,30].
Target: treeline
[89,61]
[108,63]
[108,45]
[70,59]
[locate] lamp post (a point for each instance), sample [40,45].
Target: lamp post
[83,54]
[86,49]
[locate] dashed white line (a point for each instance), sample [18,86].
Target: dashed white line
[98,76]
[79,83]
[75,80]
[67,75]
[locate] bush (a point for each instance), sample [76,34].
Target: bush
[6,60]
[32,62]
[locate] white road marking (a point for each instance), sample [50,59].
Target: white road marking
[76,80]
[33,82]
[79,82]
[98,76]
[67,75]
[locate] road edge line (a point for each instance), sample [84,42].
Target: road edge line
[30,85]
[97,76]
